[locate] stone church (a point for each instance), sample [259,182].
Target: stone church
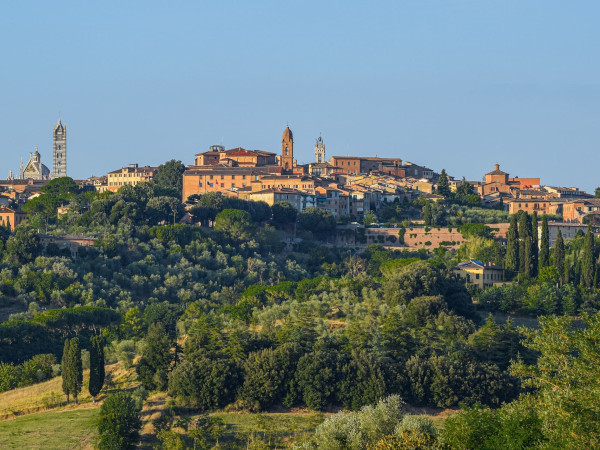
[35,170]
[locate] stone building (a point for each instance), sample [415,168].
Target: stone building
[319,151]
[34,169]
[59,151]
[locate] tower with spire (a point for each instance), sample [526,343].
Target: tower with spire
[59,150]
[319,151]
[287,150]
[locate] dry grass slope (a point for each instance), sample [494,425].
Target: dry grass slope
[49,395]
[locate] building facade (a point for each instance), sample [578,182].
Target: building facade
[11,217]
[480,274]
[34,170]
[129,176]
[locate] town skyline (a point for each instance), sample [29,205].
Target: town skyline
[458,85]
[302,155]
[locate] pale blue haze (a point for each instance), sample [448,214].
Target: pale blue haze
[454,84]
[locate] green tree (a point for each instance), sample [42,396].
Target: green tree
[534,244]
[524,243]
[61,186]
[119,422]
[443,186]
[155,363]
[319,221]
[565,379]
[235,222]
[73,371]
[65,369]
[588,262]
[544,258]
[268,374]
[204,383]
[283,214]
[316,379]
[427,216]
[597,192]
[97,372]
[512,246]
[23,246]
[169,178]
[559,256]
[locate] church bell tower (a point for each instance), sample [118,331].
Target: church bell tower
[59,160]
[287,150]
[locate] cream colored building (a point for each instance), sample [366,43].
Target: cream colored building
[129,176]
[480,274]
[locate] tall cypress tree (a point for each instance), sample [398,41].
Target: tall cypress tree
[588,264]
[97,372]
[427,216]
[527,268]
[65,369]
[544,259]
[524,234]
[75,375]
[534,244]
[559,257]
[512,246]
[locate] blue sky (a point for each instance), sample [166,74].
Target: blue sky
[456,84]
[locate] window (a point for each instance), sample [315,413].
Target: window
[477,276]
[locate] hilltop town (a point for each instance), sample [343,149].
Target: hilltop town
[350,188]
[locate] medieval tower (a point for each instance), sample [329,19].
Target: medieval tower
[319,151]
[287,150]
[59,162]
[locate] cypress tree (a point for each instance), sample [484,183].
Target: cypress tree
[534,244]
[512,246]
[527,268]
[443,187]
[65,369]
[427,217]
[559,256]
[544,259]
[96,366]
[75,378]
[524,233]
[587,261]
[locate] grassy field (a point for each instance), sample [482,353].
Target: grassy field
[49,395]
[38,417]
[65,429]
[275,430]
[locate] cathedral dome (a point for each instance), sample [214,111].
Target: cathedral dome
[287,134]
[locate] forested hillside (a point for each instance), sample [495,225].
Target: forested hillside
[226,315]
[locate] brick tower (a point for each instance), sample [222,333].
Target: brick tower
[59,161]
[287,150]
